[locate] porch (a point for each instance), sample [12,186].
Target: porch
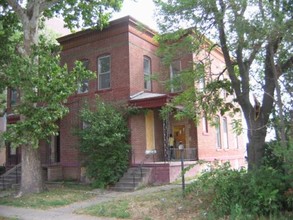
[166,167]
[168,172]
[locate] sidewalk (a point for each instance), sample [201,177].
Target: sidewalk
[67,212]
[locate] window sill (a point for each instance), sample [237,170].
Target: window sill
[82,93]
[103,90]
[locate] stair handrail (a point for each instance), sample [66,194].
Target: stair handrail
[15,168]
[11,170]
[140,168]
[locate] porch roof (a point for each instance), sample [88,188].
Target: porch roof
[148,100]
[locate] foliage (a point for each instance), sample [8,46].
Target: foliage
[44,89]
[2,103]
[103,142]
[33,69]
[256,42]
[194,100]
[236,193]
[78,13]
[280,158]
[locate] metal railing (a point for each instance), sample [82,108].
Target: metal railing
[188,154]
[15,171]
[147,156]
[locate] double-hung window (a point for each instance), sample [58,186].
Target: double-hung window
[83,86]
[175,69]
[14,96]
[218,132]
[104,72]
[225,133]
[147,73]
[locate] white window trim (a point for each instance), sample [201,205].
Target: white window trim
[172,74]
[100,74]
[147,75]
[225,133]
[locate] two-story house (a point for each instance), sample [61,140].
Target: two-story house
[124,56]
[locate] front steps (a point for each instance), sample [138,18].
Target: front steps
[10,178]
[134,178]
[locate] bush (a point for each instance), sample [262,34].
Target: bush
[103,142]
[234,193]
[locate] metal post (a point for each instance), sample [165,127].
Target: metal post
[181,148]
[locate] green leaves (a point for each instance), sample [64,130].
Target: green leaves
[84,14]
[103,142]
[44,87]
[240,194]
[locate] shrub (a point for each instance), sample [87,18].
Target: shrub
[103,142]
[234,193]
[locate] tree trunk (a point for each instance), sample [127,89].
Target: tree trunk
[255,147]
[257,129]
[31,175]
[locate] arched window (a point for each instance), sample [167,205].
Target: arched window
[83,86]
[218,132]
[205,125]
[147,71]
[225,133]
[175,69]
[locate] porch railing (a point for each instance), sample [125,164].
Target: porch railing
[188,154]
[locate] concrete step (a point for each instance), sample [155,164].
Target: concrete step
[131,179]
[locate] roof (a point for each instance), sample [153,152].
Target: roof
[148,100]
[128,19]
[146,95]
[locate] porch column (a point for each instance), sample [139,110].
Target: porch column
[166,138]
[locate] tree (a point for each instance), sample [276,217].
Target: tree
[256,41]
[104,143]
[33,68]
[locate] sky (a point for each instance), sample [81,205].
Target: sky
[141,10]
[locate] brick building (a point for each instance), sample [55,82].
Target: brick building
[124,55]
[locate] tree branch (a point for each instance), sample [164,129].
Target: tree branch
[224,47]
[255,50]
[18,9]
[46,4]
[288,64]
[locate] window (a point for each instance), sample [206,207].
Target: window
[205,126]
[218,132]
[225,133]
[147,73]
[236,141]
[175,69]
[14,96]
[202,84]
[104,72]
[83,86]
[55,149]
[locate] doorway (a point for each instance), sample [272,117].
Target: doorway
[179,134]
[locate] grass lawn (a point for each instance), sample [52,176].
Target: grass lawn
[154,206]
[55,196]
